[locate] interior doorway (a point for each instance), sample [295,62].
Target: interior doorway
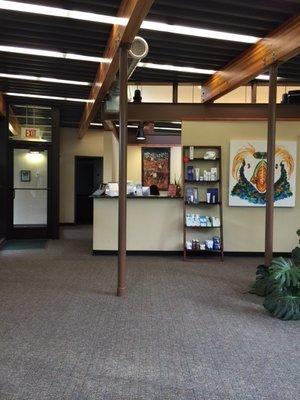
[88,177]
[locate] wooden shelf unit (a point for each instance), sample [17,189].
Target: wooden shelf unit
[202,185]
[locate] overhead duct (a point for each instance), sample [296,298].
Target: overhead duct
[138,50]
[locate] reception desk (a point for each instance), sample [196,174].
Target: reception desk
[154,223]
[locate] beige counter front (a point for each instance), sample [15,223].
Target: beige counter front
[153,224]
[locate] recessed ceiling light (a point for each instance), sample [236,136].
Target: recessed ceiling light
[49,53]
[61,12]
[42,79]
[198,32]
[40,96]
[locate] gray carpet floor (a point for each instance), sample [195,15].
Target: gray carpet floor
[185,331]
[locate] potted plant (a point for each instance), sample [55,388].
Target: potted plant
[280,284]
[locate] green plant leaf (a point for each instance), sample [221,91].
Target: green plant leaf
[285,272]
[283,305]
[264,284]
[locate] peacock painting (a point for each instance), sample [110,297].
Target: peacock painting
[248,174]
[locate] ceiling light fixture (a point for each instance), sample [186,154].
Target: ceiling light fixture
[140,134]
[39,96]
[190,70]
[106,19]
[198,32]
[61,12]
[54,54]
[96,124]
[167,67]
[42,79]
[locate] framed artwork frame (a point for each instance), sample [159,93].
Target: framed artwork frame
[25,175]
[156,167]
[247,173]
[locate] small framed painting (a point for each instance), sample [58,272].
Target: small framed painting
[156,167]
[25,175]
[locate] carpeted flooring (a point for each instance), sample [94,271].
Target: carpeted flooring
[185,331]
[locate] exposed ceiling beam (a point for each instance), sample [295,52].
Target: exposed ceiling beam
[14,123]
[280,45]
[134,11]
[2,105]
[216,112]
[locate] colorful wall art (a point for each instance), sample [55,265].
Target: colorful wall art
[248,173]
[156,167]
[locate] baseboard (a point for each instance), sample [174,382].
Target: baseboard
[254,254]
[179,253]
[138,253]
[67,224]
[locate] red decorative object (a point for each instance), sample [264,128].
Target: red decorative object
[172,190]
[186,159]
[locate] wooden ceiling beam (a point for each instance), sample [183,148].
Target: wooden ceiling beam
[280,45]
[205,112]
[134,11]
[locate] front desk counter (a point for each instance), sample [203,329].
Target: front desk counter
[154,223]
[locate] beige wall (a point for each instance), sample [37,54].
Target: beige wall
[241,94]
[99,143]
[92,144]
[152,93]
[111,157]
[244,226]
[153,224]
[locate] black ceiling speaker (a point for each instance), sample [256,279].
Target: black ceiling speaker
[137,98]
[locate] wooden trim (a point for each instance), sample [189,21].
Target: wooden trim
[3,176]
[168,253]
[206,112]
[54,170]
[134,11]
[175,92]
[2,105]
[280,45]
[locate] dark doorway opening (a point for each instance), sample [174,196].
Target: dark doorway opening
[88,177]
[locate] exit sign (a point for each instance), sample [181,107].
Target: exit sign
[30,133]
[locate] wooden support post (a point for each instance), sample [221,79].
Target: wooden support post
[270,165]
[175,92]
[253,93]
[123,64]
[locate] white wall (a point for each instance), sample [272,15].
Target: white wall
[92,144]
[244,226]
